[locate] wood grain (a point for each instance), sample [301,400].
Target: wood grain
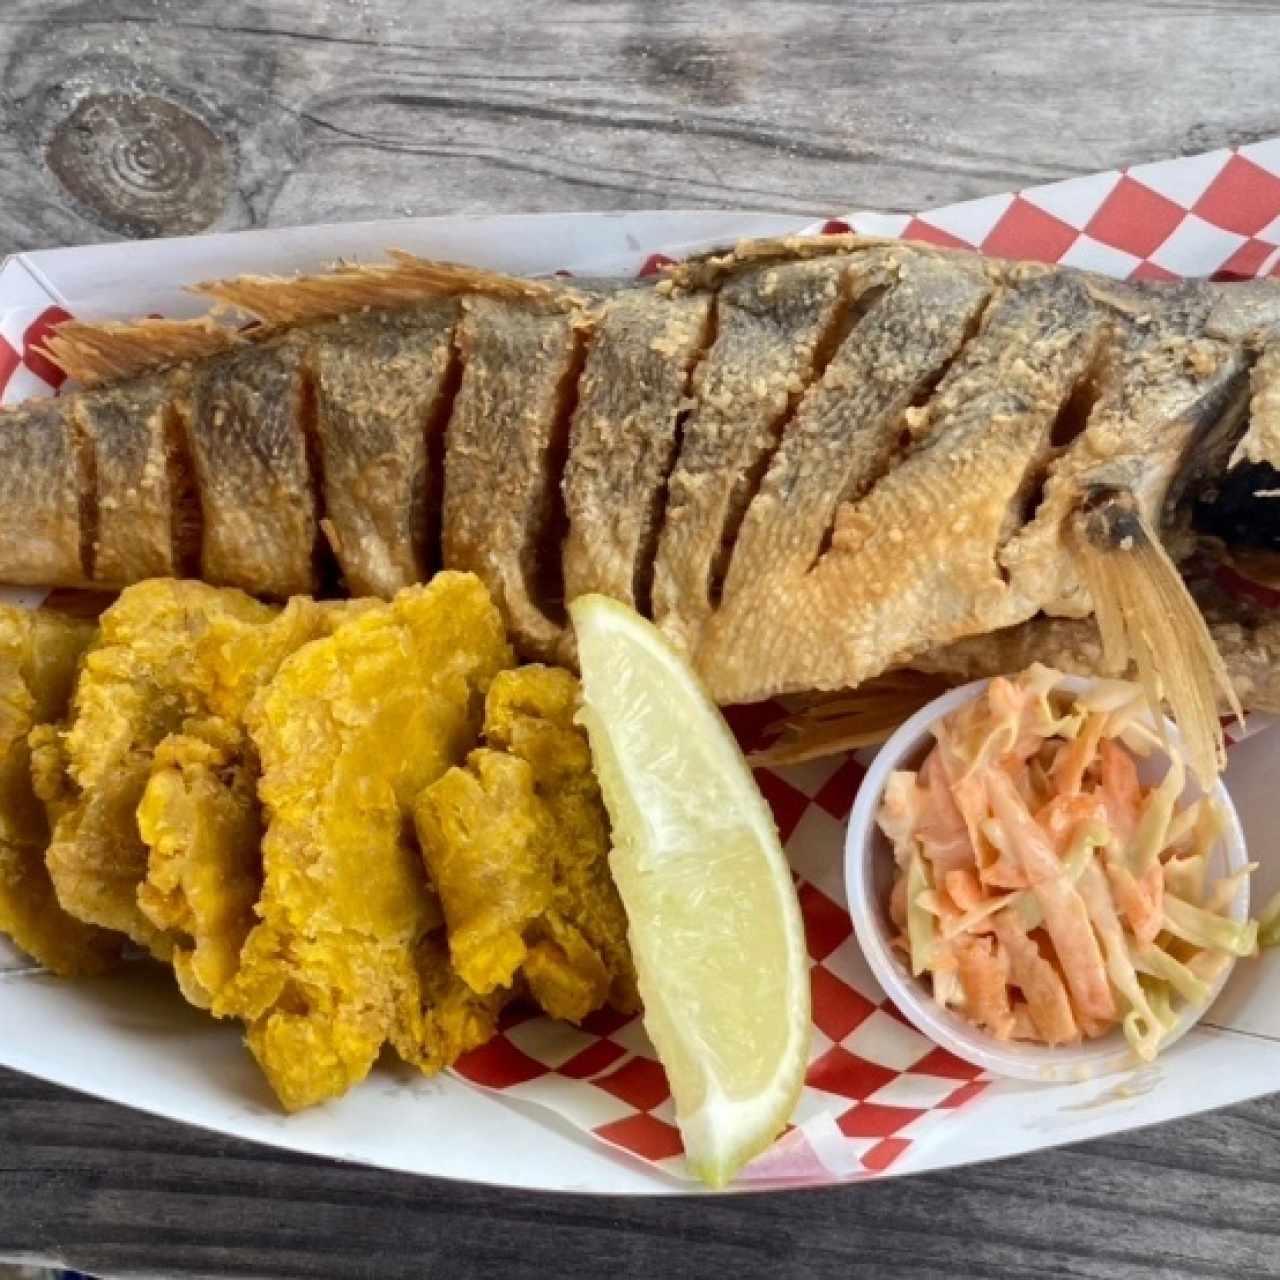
[98,1187]
[165,116]
[361,108]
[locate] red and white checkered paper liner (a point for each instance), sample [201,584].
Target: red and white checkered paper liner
[875,1086]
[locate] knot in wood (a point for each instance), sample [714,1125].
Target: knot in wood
[141,165]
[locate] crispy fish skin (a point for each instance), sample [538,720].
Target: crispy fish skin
[770,322]
[517,842]
[39,653]
[1261,443]
[379,383]
[1160,385]
[505,436]
[42,532]
[907,564]
[129,429]
[847,429]
[349,732]
[245,428]
[622,441]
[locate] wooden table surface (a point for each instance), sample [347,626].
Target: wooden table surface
[145,117]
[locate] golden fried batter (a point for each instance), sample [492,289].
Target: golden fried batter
[199,818]
[171,654]
[348,732]
[138,685]
[199,814]
[438,1017]
[39,652]
[517,845]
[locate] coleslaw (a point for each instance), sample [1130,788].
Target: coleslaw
[1042,891]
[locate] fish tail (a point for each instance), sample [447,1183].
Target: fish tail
[1148,620]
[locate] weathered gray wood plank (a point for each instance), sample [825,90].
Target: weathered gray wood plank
[128,117]
[139,116]
[96,1186]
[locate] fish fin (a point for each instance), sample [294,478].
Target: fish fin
[708,269]
[711,268]
[403,282]
[1148,619]
[97,353]
[827,724]
[108,351]
[451,278]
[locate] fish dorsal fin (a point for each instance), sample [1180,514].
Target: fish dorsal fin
[1148,619]
[109,350]
[403,282]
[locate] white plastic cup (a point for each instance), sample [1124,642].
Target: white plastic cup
[869,870]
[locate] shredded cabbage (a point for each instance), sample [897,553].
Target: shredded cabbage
[1223,893]
[1185,877]
[1108,695]
[921,927]
[1142,1028]
[1156,963]
[1203,928]
[1210,825]
[1153,827]
[947,990]
[1269,922]
[899,814]
[966,922]
[1161,1004]
[1140,739]
[1183,824]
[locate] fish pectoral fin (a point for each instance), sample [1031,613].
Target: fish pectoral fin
[1148,619]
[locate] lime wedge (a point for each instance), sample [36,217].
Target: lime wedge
[714,921]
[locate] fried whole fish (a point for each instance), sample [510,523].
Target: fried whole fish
[811,460]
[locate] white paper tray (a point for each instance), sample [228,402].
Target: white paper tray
[133,1040]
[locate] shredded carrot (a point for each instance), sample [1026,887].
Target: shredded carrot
[964,888]
[1041,987]
[1120,788]
[1065,917]
[1076,756]
[984,977]
[942,831]
[1140,912]
[1065,814]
